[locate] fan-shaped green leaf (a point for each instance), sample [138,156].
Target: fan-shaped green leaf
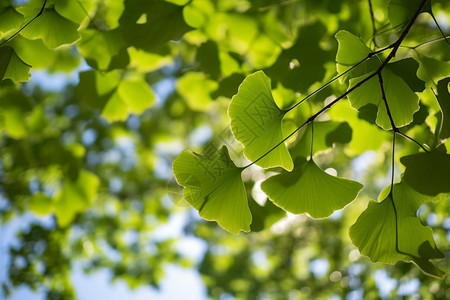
[351,49]
[402,101]
[214,187]
[256,122]
[10,21]
[384,233]
[53,29]
[428,173]
[11,66]
[308,189]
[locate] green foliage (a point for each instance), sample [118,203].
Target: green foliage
[384,230]
[302,191]
[214,187]
[256,122]
[256,91]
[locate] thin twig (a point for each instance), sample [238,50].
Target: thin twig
[412,140]
[372,17]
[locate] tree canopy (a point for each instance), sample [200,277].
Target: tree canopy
[286,134]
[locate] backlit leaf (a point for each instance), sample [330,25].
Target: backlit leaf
[214,187]
[10,21]
[256,122]
[308,189]
[385,234]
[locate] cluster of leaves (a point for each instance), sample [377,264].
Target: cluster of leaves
[93,156]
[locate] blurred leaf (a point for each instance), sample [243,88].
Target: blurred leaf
[326,133]
[264,216]
[163,22]
[302,190]
[256,122]
[195,88]
[214,187]
[41,204]
[75,197]
[10,21]
[384,233]
[100,48]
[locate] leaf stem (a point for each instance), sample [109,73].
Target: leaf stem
[24,26]
[312,139]
[428,42]
[328,83]
[440,29]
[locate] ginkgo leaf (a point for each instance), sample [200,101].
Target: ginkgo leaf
[384,233]
[214,187]
[428,173]
[256,122]
[351,49]
[400,12]
[75,11]
[402,101]
[75,196]
[443,97]
[10,20]
[308,189]
[11,66]
[53,29]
